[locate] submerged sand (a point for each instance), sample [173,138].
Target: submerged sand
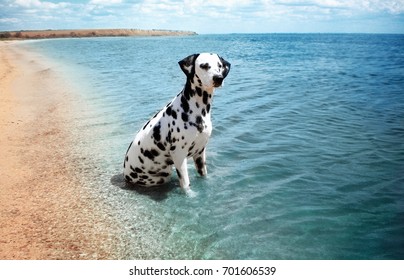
[45,213]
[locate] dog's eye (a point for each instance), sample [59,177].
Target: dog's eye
[220,65]
[205,66]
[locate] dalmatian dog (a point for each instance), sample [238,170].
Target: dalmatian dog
[180,130]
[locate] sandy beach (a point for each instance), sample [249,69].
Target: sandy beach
[44,211]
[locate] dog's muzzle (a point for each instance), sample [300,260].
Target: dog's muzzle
[217,81]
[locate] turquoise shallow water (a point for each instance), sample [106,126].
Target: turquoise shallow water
[306,159]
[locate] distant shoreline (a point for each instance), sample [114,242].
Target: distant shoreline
[86,33]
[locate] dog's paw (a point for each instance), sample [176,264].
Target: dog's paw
[190,193]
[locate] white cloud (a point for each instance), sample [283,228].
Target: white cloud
[159,8]
[9,20]
[27,3]
[392,6]
[105,2]
[37,4]
[199,15]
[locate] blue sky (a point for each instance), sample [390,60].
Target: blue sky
[207,16]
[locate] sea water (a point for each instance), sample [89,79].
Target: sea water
[306,158]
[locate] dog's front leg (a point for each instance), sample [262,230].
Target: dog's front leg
[182,172]
[180,163]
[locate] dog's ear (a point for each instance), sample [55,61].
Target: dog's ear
[188,64]
[226,66]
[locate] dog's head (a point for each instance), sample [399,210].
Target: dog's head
[207,69]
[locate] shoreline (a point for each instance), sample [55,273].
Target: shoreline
[85,33]
[46,211]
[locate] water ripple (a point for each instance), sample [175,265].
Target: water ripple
[306,160]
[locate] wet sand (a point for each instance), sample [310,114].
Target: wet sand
[45,213]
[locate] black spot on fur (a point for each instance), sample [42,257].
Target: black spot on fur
[169,110]
[156,132]
[140,159]
[184,117]
[199,91]
[205,66]
[137,169]
[178,173]
[205,98]
[199,123]
[128,179]
[199,165]
[187,93]
[174,114]
[169,161]
[168,138]
[133,175]
[203,112]
[161,146]
[208,108]
[154,152]
[163,174]
[184,104]
[148,154]
[192,146]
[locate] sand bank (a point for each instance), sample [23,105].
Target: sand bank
[44,211]
[42,34]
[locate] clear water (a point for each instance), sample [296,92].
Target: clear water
[306,159]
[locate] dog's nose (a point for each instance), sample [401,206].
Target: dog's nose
[218,80]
